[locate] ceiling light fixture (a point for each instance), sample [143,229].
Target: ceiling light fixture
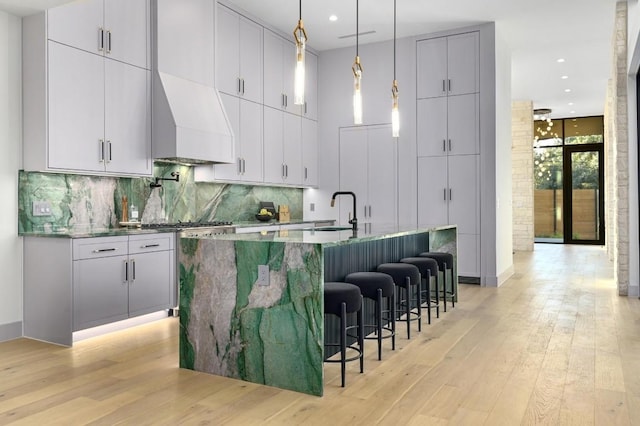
[333,18]
[543,116]
[395,114]
[564,77]
[357,79]
[560,60]
[300,36]
[567,90]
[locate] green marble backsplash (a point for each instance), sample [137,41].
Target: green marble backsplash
[86,203]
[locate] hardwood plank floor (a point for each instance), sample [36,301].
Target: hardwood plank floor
[553,345]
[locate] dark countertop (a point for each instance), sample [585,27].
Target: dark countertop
[329,238]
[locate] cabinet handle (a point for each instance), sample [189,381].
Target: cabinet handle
[286,168]
[244,166]
[449,145]
[126,271]
[444,145]
[283,173]
[104,250]
[444,88]
[108,41]
[239,86]
[101,148]
[449,85]
[149,245]
[239,165]
[286,101]
[306,174]
[243,86]
[133,262]
[305,107]
[449,194]
[369,210]
[100,39]
[444,194]
[109,146]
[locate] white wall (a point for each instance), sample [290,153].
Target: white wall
[633,43]
[10,162]
[504,198]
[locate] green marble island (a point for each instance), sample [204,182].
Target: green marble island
[251,305]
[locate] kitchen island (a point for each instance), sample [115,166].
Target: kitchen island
[251,305]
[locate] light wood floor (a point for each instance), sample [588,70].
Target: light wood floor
[554,345]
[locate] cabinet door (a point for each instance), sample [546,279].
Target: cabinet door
[127,118]
[227,51]
[273,71]
[432,191]
[292,148]
[77,24]
[273,145]
[353,172]
[251,60]
[468,255]
[463,63]
[76,109]
[463,124]
[127,23]
[288,75]
[309,152]
[464,189]
[431,67]
[432,126]
[150,282]
[231,171]
[310,107]
[251,140]
[382,176]
[100,293]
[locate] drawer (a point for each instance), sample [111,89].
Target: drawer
[88,248]
[151,242]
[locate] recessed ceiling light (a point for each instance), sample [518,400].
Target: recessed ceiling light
[570,103]
[573,112]
[564,77]
[560,60]
[333,18]
[567,90]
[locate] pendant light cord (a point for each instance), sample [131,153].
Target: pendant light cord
[357,31]
[394,39]
[300,9]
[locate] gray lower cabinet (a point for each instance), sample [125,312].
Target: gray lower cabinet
[72,284]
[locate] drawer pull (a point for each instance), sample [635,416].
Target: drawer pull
[103,250]
[150,245]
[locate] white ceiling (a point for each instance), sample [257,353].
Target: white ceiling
[538,33]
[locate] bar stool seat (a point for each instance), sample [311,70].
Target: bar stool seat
[407,278]
[376,286]
[341,299]
[445,262]
[428,268]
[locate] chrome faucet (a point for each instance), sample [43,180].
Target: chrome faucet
[353,221]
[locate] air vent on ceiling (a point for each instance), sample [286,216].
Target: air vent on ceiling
[354,34]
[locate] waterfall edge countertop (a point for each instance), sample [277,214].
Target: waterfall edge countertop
[252,306]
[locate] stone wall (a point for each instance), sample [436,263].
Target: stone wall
[522,174]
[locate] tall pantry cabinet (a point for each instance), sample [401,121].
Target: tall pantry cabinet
[448,140]
[87,88]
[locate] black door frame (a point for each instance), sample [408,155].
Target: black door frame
[567,193]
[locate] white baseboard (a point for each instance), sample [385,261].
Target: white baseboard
[10,331]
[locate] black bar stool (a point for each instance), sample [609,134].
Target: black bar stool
[341,299]
[406,277]
[445,263]
[428,268]
[376,286]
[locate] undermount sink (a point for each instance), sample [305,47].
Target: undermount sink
[332,228]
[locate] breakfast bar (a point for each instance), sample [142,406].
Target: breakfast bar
[251,305]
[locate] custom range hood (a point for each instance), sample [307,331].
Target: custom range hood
[190,125]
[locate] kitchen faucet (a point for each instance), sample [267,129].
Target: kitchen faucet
[354,220]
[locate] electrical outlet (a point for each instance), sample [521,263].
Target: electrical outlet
[263,275]
[41,208]
[312,207]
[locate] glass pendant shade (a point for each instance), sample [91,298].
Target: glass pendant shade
[357,91]
[299,76]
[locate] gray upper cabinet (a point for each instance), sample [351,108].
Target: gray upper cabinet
[118,29]
[310,107]
[279,64]
[448,65]
[86,111]
[238,55]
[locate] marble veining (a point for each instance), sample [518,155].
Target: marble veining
[94,203]
[236,328]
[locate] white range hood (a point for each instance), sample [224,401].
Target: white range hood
[190,124]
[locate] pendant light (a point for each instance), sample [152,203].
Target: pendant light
[300,36]
[357,80]
[395,114]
